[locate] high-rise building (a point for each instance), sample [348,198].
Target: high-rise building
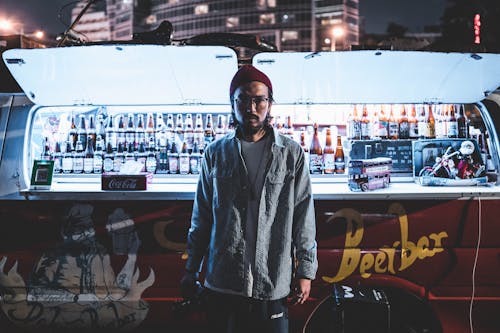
[93,26]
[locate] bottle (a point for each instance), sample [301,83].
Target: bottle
[209,132]
[130,131]
[393,128]
[91,131]
[150,128]
[98,155]
[288,131]
[142,155]
[162,167]
[304,146]
[170,127]
[328,154]
[383,130]
[88,158]
[431,131]
[120,132]
[151,162]
[339,157]
[452,125]
[189,131]
[439,128]
[220,129]
[73,132]
[413,123]
[404,124]
[375,125]
[195,160]
[118,159]
[130,154]
[315,153]
[57,158]
[198,132]
[108,163]
[78,157]
[111,134]
[100,129]
[45,155]
[179,130]
[184,160]
[462,123]
[82,131]
[365,124]
[173,159]
[67,161]
[160,130]
[230,124]
[140,131]
[423,127]
[354,124]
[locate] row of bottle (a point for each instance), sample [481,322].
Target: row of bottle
[400,121]
[133,129]
[154,159]
[323,159]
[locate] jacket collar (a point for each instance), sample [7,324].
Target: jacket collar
[277,139]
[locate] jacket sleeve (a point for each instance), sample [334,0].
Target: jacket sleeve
[304,222]
[201,220]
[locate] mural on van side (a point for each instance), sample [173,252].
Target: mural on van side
[383,262]
[74,285]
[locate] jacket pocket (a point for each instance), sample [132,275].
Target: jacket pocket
[223,186]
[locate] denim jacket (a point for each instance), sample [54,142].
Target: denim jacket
[286,227]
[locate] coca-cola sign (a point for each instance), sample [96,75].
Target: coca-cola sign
[118,182]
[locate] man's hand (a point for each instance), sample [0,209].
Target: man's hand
[302,291]
[189,285]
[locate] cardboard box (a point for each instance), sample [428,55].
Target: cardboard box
[121,182]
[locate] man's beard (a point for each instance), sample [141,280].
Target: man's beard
[249,129]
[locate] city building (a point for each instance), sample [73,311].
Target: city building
[94,25]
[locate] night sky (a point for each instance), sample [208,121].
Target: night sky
[43,14]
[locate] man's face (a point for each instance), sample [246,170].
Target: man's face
[251,105]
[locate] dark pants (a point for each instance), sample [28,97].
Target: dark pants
[238,314]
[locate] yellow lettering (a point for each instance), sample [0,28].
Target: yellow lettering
[423,248]
[438,246]
[162,239]
[366,263]
[391,252]
[380,259]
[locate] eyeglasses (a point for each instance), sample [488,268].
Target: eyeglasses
[260,102]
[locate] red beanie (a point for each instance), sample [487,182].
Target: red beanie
[247,74]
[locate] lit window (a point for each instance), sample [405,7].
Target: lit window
[289,35]
[267,18]
[264,4]
[232,22]
[201,9]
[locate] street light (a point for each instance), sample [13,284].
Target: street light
[7,25]
[337,32]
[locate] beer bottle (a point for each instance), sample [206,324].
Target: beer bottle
[151,162]
[383,132]
[354,124]
[431,132]
[170,127]
[315,153]
[195,160]
[140,131]
[230,124]
[45,155]
[130,154]
[339,157]
[73,132]
[220,128]
[160,131]
[108,163]
[365,124]
[67,161]
[289,132]
[328,154]
[452,125]
[150,128]
[100,129]
[118,159]
[111,134]
[198,131]
[179,130]
[304,146]
[184,160]
[413,123]
[130,131]
[462,124]
[393,126]
[173,159]
[163,160]
[209,131]
[91,131]
[404,125]
[98,155]
[189,132]
[78,157]
[82,131]
[57,157]
[375,125]
[423,127]
[120,132]
[88,158]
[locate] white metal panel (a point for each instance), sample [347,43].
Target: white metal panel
[124,74]
[380,76]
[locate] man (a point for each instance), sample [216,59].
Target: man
[253,218]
